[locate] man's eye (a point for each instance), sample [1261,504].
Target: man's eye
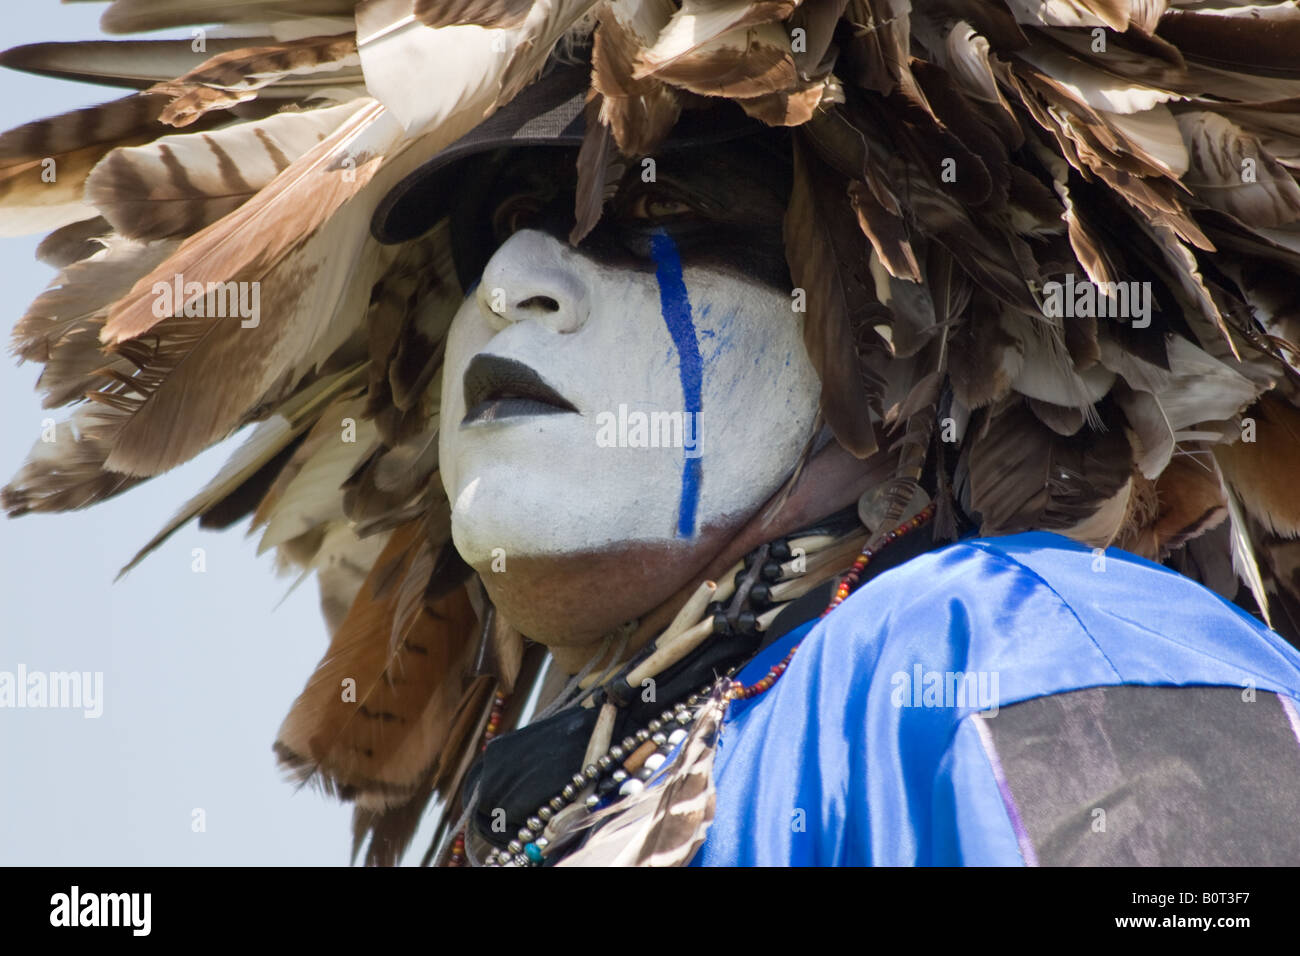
[647,206]
[514,214]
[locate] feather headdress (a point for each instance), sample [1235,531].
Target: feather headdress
[1051,247]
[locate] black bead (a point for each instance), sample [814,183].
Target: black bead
[779,550]
[761,593]
[746,622]
[749,560]
[714,609]
[605,786]
[771,571]
[720,623]
[740,578]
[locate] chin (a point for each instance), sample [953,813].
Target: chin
[502,514]
[575,598]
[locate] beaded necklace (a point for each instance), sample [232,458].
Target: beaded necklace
[626,767]
[842,590]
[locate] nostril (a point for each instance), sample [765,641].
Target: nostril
[543,302]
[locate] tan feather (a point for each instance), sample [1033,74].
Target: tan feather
[472,69]
[342,561]
[134,16]
[887,232]
[1072,13]
[1244,561]
[796,106]
[293,418]
[200,377]
[68,472]
[82,292]
[1190,503]
[313,496]
[137,64]
[697,25]
[1231,172]
[386,834]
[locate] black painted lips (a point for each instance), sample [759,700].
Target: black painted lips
[497,388]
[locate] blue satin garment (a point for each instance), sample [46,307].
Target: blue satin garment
[827,768]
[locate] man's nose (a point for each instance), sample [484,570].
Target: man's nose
[534,277]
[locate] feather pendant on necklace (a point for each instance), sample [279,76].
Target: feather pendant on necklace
[665,823]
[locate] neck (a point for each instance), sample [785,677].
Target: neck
[831,481]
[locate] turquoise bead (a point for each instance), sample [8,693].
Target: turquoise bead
[533,852]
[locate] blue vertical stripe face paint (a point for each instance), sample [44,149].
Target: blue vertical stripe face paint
[676,308]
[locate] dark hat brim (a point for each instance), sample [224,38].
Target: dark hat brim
[549,112]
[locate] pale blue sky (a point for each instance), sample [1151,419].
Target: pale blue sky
[199,669]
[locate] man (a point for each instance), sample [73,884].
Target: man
[701,386]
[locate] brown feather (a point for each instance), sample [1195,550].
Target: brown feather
[379,748]
[887,232]
[1257,39]
[1019,474]
[792,107]
[74,242]
[600,167]
[828,259]
[1263,472]
[1190,502]
[639,112]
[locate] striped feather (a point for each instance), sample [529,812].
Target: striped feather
[249,243]
[44,165]
[236,76]
[177,185]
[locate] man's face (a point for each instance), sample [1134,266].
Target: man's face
[645,387]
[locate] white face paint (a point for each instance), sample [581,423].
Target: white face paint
[634,463]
